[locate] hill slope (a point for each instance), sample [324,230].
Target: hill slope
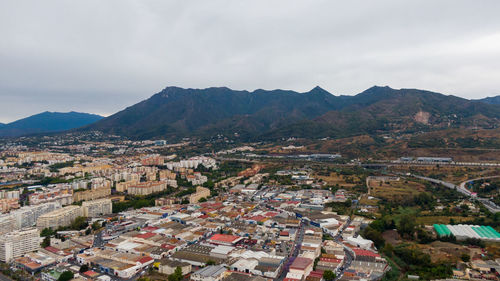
[384,110]
[491,100]
[177,112]
[47,122]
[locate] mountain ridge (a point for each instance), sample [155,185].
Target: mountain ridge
[491,100]
[47,122]
[176,112]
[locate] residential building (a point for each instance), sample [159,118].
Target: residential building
[97,207]
[27,216]
[123,186]
[8,204]
[64,196]
[9,194]
[145,188]
[17,243]
[7,223]
[91,194]
[60,217]
[201,192]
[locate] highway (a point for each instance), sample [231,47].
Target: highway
[461,188]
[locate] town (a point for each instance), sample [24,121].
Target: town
[150,210]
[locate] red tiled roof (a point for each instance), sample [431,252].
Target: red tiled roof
[301,263]
[52,249]
[361,252]
[145,259]
[90,273]
[258,218]
[224,238]
[316,273]
[150,228]
[284,233]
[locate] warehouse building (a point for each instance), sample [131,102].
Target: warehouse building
[462,232]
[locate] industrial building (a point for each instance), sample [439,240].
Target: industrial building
[462,232]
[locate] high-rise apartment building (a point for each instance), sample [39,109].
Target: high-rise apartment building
[97,207]
[60,217]
[17,243]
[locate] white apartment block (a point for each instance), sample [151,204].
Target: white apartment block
[13,194]
[97,207]
[145,188]
[17,243]
[7,224]
[62,195]
[27,216]
[60,217]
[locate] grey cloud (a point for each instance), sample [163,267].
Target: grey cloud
[101,56]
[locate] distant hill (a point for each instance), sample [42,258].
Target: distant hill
[491,100]
[177,112]
[384,110]
[47,122]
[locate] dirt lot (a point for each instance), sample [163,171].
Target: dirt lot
[394,190]
[346,182]
[392,237]
[444,251]
[430,220]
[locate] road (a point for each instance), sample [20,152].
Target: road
[462,185]
[349,254]
[293,253]
[461,188]
[98,241]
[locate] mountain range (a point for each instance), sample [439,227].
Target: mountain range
[47,122]
[176,112]
[491,100]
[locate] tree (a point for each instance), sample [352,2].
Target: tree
[96,225]
[66,276]
[328,275]
[374,235]
[210,262]
[84,268]
[79,223]
[202,199]
[388,249]
[465,257]
[47,232]
[46,242]
[406,226]
[176,276]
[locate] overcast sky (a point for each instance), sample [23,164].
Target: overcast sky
[101,56]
